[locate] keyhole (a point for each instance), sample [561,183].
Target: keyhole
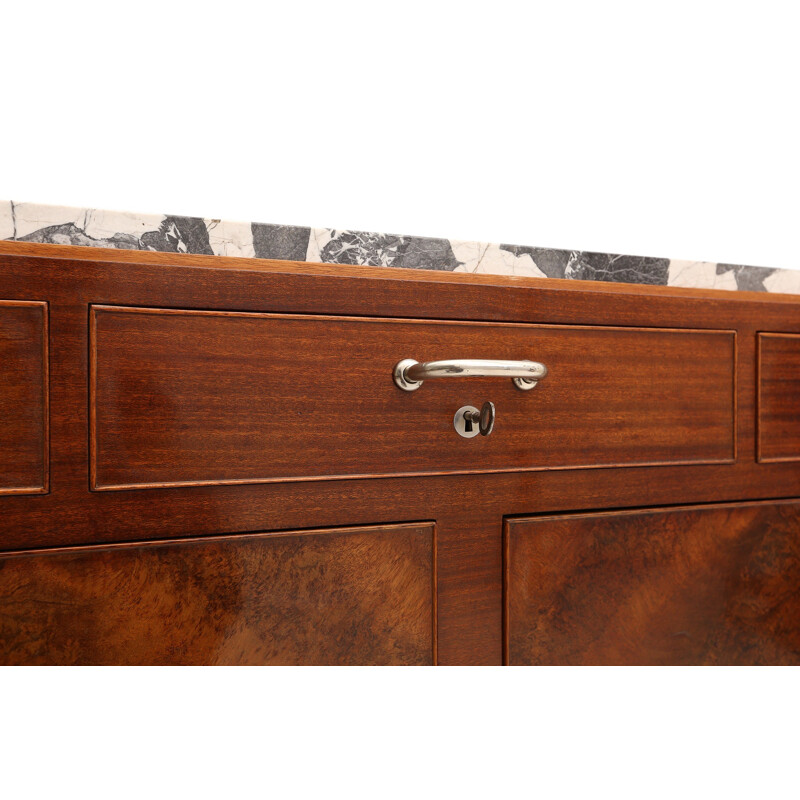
[468,422]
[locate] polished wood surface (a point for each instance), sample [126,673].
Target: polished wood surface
[701,585]
[255,398]
[468,509]
[779,397]
[23,397]
[88,255]
[358,596]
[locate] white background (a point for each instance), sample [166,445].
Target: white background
[654,129]
[667,130]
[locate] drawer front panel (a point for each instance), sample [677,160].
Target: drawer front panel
[23,397]
[350,596]
[192,397]
[702,585]
[778,397]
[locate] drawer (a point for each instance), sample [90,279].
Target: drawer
[183,397]
[348,596]
[778,397]
[23,397]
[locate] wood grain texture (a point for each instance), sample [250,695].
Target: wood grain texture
[698,585]
[191,397]
[360,596]
[779,397]
[88,255]
[23,397]
[468,509]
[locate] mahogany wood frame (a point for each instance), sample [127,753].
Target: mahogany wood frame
[468,510]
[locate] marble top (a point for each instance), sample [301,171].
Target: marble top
[89,227]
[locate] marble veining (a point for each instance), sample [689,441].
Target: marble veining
[33,222]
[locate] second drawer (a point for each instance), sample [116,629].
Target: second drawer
[183,397]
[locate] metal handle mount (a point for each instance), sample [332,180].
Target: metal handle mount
[409,374]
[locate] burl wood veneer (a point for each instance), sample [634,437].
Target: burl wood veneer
[258,397]
[23,397]
[697,585]
[358,596]
[779,397]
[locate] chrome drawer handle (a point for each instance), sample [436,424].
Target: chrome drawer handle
[409,374]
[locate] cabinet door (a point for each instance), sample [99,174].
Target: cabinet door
[696,585]
[349,596]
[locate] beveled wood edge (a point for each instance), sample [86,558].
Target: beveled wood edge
[757,409]
[307,268]
[211,312]
[92,368]
[434,592]
[126,487]
[23,303]
[44,488]
[15,490]
[760,336]
[506,628]
[216,537]
[777,335]
[513,519]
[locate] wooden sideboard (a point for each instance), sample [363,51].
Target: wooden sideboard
[206,460]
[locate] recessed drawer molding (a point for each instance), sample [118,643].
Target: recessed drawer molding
[182,398]
[778,397]
[24,418]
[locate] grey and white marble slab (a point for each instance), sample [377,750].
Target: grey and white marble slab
[34,222]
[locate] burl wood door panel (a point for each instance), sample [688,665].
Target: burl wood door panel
[23,397]
[348,596]
[192,397]
[778,397]
[694,585]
